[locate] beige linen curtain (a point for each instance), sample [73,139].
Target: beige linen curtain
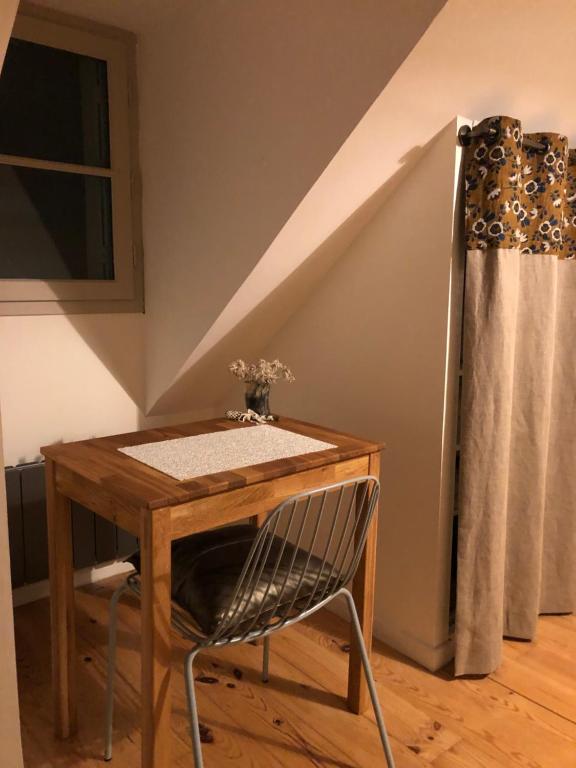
[517,506]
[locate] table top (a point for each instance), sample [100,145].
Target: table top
[100,461]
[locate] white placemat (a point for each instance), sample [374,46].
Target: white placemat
[186,457]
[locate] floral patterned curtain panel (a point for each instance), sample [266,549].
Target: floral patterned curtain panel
[517,507]
[520,196]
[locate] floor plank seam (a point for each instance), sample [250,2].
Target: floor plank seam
[299,720]
[532,701]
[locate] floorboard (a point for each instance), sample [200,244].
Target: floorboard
[523,716]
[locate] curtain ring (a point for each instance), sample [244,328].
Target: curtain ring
[464,135]
[492,135]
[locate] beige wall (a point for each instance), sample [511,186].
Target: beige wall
[55,386]
[9,712]
[67,378]
[371,319]
[242,105]
[236,132]
[443,76]
[240,113]
[371,354]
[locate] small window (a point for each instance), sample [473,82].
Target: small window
[68,202]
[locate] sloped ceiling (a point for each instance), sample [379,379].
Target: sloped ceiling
[244,105]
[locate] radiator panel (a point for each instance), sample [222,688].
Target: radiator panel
[127,543]
[83,536]
[15,526]
[94,539]
[35,525]
[106,541]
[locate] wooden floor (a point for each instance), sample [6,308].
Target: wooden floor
[524,715]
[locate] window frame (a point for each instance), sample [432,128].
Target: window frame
[125,292]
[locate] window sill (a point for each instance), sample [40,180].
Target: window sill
[82,307]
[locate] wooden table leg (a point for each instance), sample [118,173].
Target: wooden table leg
[363,591]
[155,548]
[63,631]
[259,519]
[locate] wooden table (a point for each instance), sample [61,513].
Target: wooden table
[159,509]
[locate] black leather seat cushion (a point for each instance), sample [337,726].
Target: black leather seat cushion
[206,568]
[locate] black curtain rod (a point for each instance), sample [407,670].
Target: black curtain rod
[466,134]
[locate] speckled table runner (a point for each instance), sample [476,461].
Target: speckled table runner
[186,457]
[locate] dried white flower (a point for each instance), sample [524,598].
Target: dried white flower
[262,372]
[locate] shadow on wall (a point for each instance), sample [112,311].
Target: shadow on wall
[207,381]
[379,322]
[240,112]
[373,356]
[118,341]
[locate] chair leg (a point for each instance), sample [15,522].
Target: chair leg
[266,660]
[193,709]
[111,670]
[369,678]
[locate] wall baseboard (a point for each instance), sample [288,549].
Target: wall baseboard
[29,593]
[431,657]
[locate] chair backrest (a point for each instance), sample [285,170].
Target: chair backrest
[307,549]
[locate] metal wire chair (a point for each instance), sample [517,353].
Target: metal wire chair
[303,556]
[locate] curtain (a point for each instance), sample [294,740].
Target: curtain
[517,504]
